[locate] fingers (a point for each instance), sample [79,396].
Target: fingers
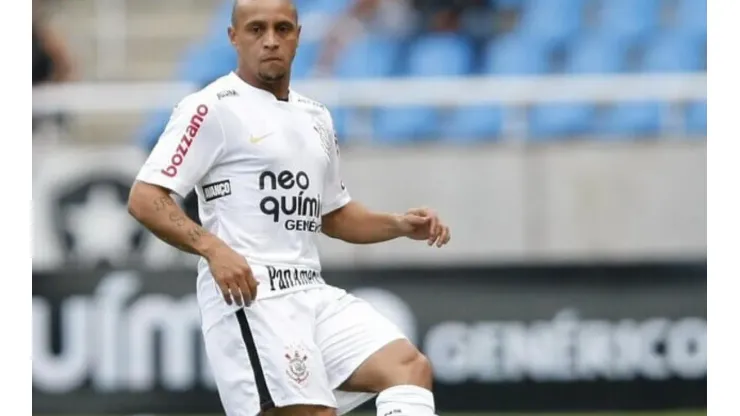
[240,288]
[444,236]
[421,212]
[225,291]
[439,234]
[253,283]
[248,285]
[245,295]
[434,229]
[416,220]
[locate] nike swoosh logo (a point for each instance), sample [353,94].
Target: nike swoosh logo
[257,139]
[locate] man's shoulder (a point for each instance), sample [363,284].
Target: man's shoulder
[310,104]
[214,95]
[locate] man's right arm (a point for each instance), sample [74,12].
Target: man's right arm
[190,146]
[155,209]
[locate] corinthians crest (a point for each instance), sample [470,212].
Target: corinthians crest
[297,368]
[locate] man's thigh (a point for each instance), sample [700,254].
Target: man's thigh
[348,332]
[264,356]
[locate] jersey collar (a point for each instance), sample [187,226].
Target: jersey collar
[257,92]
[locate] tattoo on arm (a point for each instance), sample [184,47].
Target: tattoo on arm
[178,219]
[163,203]
[196,233]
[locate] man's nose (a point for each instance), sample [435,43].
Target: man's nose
[270,40]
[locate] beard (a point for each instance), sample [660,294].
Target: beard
[271,75]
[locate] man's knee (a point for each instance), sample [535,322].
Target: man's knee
[419,370]
[301,410]
[411,394]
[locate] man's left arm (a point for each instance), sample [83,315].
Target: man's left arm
[356,224]
[350,221]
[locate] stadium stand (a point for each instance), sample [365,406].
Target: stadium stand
[538,37]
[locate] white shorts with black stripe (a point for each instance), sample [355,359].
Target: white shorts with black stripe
[295,349]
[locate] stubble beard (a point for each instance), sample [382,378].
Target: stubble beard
[272,76]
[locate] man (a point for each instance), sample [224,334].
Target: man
[264,163]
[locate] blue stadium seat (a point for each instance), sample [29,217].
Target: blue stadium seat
[696,118]
[510,55]
[552,22]
[473,123]
[440,55]
[507,4]
[589,55]
[632,119]
[596,53]
[205,62]
[515,55]
[332,7]
[551,121]
[305,60]
[673,51]
[371,56]
[406,124]
[691,17]
[667,52]
[429,56]
[633,21]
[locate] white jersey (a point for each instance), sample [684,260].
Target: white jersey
[264,170]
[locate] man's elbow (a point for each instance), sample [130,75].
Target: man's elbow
[331,224]
[144,197]
[134,205]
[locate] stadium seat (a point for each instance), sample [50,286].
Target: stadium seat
[207,61]
[506,4]
[551,121]
[332,7]
[632,21]
[596,53]
[515,55]
[510,55]
[696,118]
[473,123]
[589,55]
[672,51]
[440,55]
[691,18]
[369,57]
[551,22]
[429,56]
[305,60]
[406,124]
[628,120]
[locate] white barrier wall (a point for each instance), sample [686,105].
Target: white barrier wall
[505,203]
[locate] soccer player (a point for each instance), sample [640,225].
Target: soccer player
[264,163]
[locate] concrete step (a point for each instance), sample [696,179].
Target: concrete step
[156,35]
[150,6]
[174,25]
[155,25]
[108,128]
[150,71]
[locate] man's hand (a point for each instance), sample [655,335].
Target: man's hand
[424,224]
[233,275]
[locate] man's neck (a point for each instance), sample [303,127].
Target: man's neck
[279,89]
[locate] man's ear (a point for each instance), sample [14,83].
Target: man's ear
[232,35]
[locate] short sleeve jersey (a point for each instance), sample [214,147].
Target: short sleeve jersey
[265,172]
